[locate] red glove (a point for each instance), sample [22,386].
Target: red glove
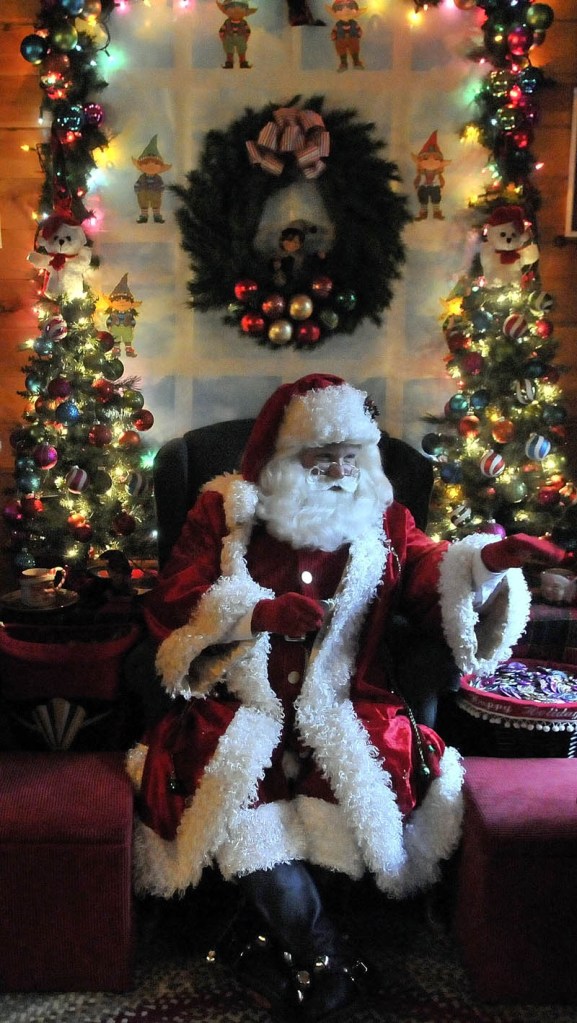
[518,550]
[290,615]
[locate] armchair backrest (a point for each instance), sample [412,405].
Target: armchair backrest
[184,464]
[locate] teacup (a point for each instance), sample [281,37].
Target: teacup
[558,586]
[39,586]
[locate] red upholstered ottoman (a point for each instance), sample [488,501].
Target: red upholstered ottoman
[65,872]
[516,903]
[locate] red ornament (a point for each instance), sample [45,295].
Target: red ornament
[253,324]
[548,497]
[503,431]
[308,333]
[515,325]
[457,342]
[245,289]
[492,464]
[105,390]
[123,524]
[544,328]
[83,533]
[472,363]
[60,387]
[143,420]
[106,340]
[129,439]
[568,494]
[31,506]
[520,40]
[273,306]
[100,435]
[45,456]
[322,286]
[469,426]
[75,519]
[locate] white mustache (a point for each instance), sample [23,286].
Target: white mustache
[319,481]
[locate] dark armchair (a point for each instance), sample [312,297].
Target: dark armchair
[424,668]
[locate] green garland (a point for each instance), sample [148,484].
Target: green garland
[223,203]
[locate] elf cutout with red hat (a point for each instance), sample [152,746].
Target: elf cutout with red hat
[288,751]
[429,180]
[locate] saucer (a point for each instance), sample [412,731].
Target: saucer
[64,598]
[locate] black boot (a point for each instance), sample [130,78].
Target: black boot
[323,981]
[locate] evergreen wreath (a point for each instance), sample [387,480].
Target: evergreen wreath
[221,209]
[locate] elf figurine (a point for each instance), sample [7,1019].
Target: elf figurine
[346,34]
[150,186]
[235,30]
[121,316]
[429,179]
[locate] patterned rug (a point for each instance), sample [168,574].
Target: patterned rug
[423,979]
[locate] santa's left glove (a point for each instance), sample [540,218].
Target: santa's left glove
[521,549]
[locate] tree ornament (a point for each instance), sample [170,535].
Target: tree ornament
[568,494]
[93,114]
[300,307]
[472,363]
[55,328]
[321,287]
[458,403]
[72,7]
[59,387]
[535,368]
[515,325]
[513,491]
[492,464]
[123,524]
[64,37]
[100,435]
[253,324]
[554,414]
[519,40]
[273,306]
[12,512]
[540,302]
[548,497]
[34,48]
[31,506]
[308,333]
[104,389]
[113,369]
[432,444]
[347,284]
[143,420]
[503,431]
[75,519]
[245,290]
[539,16]
[451,472]
[537,447]
[133,399]
[83,533]
[280,332]
[492,528]
[76,479]
[24,559]
[461,514]
[101,481]
[469,426]
[129,439]
[43,347]
[479,399]
[67,413]
[543,328]
[29,482]
[33,383]
[106,340]
[45,456]
[136,484]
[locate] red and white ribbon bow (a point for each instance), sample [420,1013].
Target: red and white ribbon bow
[292,132]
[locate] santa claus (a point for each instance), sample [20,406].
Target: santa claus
[289,749]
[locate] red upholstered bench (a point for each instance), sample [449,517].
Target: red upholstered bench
[516,902]
[65,872]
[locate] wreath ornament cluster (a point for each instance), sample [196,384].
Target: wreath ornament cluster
[222,205]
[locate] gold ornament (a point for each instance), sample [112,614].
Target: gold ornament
[301,307]
[280,332]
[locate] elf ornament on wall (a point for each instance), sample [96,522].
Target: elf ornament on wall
[346,34]
[235,31]
[122,311]
[149,187]
[429,180]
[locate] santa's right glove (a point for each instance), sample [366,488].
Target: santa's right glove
[521,549]
[291,615]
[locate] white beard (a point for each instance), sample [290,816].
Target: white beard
[320,519]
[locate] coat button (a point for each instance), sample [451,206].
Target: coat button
[294,677]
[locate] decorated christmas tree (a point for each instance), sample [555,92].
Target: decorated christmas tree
[82,472]
[499,444]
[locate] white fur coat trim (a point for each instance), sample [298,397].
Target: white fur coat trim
[480,644]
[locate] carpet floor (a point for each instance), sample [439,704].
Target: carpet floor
[423,979]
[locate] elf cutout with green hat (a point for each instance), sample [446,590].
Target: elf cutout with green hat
[122,311]
[150,186]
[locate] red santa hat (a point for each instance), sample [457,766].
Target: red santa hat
[508,215]
[315,410]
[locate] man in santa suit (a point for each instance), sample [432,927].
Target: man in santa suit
[289,750]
